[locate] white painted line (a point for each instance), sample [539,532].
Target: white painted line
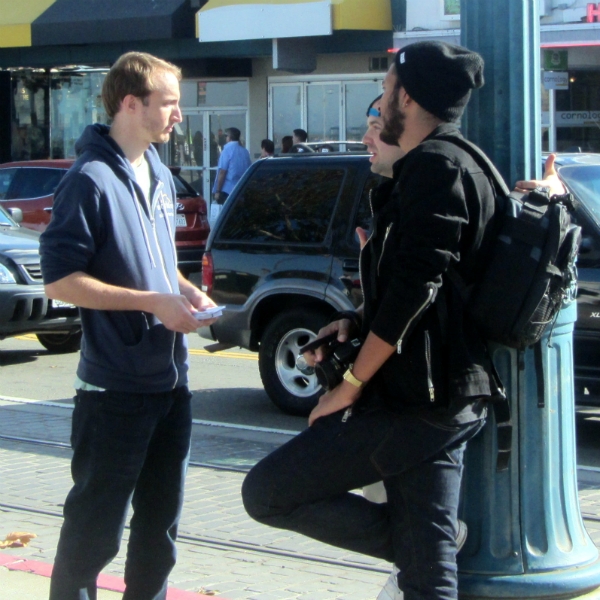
[194,421]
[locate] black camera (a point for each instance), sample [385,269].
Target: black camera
[340,355]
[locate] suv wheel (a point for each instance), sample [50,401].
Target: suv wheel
[289,389]
[60,343]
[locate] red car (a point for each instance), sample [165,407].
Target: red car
[30,186]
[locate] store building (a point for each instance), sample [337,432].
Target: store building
[265,67]
[570,60]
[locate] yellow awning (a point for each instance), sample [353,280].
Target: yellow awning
[16,18]
[227,20]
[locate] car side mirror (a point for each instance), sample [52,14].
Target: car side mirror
[16,214]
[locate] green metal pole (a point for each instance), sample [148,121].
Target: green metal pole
[504,117]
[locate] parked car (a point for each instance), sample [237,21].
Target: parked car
[30,186]
[581,174]
[283,257]
[24,308]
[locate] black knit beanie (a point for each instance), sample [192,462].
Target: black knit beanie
[439,77]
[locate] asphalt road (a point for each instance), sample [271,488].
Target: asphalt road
[226,387]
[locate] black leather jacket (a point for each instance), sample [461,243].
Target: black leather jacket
[437,211]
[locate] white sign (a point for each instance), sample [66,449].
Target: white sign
[264,20]
[556,80]
[574,118]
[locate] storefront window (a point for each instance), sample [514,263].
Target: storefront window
[30,123]
[329,110]
[213,93]
[286,110]
[323,112]
[76,101]
[358,96]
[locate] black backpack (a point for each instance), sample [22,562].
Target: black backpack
[529,275]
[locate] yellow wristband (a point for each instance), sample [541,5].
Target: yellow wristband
[349,377]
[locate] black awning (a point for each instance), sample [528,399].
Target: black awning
[108,21]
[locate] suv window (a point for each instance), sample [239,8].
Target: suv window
[30,182]
[280,205]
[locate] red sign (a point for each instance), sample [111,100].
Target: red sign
[593,13]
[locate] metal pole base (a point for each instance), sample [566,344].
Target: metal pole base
[581,583]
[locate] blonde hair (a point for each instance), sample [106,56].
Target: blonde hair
[134,73]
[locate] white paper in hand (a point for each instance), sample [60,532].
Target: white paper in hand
[210,313]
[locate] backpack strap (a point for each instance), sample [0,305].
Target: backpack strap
[499,400]
[480,158]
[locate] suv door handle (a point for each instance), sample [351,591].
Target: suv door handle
[350,264]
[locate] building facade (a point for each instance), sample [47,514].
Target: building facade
[570,60]
[265,67]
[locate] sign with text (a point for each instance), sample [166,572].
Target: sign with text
[593,13]
[555,80]
[577,118]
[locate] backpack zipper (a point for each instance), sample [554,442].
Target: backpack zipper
[419,312]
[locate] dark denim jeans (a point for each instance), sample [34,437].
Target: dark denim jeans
[304,486]
[127,447]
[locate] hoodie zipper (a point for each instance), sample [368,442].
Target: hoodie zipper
[428,360]
[419,312]
[153,221]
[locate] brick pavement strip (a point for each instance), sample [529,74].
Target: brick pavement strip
[221,551]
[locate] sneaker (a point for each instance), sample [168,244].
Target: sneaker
[461,537]
[391,591]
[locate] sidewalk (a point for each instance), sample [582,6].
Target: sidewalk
[221,551]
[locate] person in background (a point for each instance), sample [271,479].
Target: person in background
[267,148]
[300,136]
[233,162]
[110,250]
[299,142]
[287,141]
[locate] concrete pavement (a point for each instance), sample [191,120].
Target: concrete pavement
[222,552]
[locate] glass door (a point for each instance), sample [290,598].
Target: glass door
[196,144]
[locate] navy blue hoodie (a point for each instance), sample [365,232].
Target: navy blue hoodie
[101,225]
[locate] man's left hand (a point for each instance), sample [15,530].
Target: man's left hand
[340,397]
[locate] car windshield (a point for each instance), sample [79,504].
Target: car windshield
[584,182]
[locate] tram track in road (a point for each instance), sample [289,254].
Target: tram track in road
[192,539]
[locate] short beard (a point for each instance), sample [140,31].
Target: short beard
[393,122]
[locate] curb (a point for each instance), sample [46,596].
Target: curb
[105,582]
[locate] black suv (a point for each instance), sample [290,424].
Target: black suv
[283,257]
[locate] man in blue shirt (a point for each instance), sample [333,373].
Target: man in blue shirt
[233,162]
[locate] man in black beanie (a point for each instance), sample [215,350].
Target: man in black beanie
[417,391]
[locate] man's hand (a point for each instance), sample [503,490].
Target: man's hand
[198,299]
[175,312]
[340,397]
[343,328]
[550,180]
[363,236]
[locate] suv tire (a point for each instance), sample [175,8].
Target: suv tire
[60,343]
[289,389]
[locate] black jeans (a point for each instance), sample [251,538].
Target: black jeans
[127,447]
[304,486]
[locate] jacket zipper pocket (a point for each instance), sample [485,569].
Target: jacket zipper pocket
[428,360]
[385,237]
[419,312]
